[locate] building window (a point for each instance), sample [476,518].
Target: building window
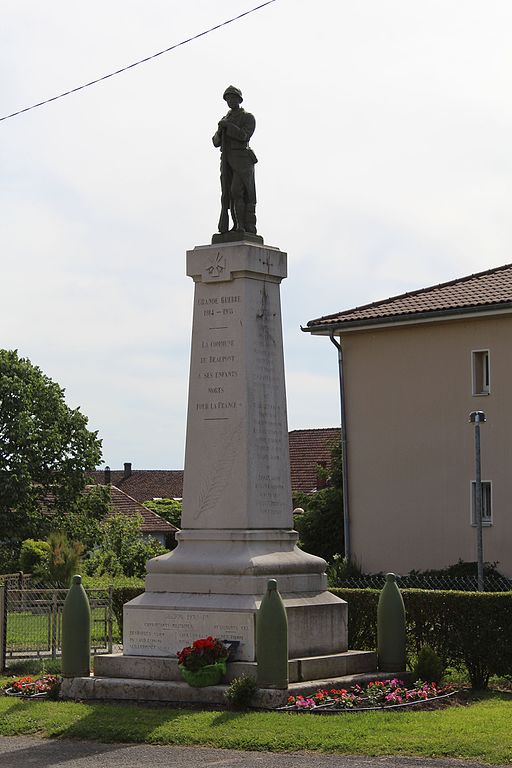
[481,372]
[486,503]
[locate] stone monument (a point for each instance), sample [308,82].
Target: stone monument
[237,505]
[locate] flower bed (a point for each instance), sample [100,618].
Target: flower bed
[26,687]
[379,694]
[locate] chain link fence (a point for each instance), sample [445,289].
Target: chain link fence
[492,582]
[33,622]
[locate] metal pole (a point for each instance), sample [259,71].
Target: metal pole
[477,417]
[54,624]
[3,626]
[109,617]
[344,453]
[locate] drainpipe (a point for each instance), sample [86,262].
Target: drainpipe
[344,455]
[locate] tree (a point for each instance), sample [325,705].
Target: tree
[45,449]
[169,509]
[320,527]
[122,550]
[82,520]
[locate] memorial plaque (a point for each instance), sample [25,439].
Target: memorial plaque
[161,632]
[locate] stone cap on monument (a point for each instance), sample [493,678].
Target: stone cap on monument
[222,263]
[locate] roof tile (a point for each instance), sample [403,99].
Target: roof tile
[308,448]
[125,505]
[474,292]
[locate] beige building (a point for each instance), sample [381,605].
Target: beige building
[413,368]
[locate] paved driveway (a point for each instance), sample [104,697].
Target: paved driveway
[30,752]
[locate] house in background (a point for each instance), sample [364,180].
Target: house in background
[142,484]
[414,367]
[309,448]
[152,524]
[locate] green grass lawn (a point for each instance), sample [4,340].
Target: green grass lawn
[480,730]
[32,632]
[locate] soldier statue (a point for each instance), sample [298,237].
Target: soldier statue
[238,190]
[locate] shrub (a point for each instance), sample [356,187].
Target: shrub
[320,526]
[120,596]
[470,629]
[122,550]
[362,617]
[63,561]
[341,568]
[240,692]
[34,555]
[428,666]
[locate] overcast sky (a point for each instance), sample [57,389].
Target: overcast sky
[384,138]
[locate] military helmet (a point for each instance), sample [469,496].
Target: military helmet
[232,89]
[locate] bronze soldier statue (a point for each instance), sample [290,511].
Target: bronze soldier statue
[238,190]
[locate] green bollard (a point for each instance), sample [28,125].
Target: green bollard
[272,640]
[391,627]
[76,632]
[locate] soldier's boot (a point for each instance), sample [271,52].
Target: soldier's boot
[224,221]
[250,218]
[238,215]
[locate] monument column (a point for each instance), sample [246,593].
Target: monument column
[237,505]
[237,460]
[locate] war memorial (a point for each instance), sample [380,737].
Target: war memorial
[237,528]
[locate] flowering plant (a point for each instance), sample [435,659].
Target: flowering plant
[203,652]
[378,693]
[28,688]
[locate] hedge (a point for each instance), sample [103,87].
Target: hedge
[120,596]
[467,629]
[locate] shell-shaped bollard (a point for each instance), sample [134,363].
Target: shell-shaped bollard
[76,631]
[272,640]
[391,636]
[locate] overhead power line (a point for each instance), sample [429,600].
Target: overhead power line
[136,63]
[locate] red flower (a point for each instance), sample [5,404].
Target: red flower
[202,652]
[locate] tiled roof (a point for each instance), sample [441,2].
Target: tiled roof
[125,505]
[145,484]
[309,447]
[474,293]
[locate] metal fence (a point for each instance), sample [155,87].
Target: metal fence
[492,582]
[33,622]
[18,580]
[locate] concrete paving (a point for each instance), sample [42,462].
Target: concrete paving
[32,752]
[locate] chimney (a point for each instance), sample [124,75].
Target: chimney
[127,470]
[107,478]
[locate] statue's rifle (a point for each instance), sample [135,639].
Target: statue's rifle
[224,200]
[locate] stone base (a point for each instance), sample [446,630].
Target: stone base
[118,677]
[161,623]
[161,668]
[234,236]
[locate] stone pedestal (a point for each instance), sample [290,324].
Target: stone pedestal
[237,506]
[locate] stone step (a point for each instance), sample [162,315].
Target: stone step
[164,668]
[174,692]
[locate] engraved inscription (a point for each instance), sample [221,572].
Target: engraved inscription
[217,359]
[163,632]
